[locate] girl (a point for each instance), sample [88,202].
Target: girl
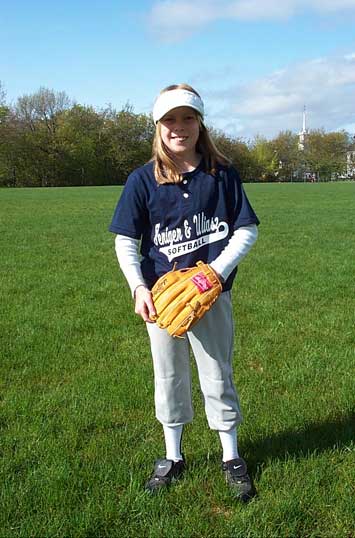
[187,204]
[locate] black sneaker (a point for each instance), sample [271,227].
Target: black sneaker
[165,471]
[236,474]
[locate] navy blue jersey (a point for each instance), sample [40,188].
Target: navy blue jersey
[182,222]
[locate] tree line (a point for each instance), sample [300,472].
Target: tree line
[48,140]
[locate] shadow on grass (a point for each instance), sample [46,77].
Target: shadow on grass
[312,439]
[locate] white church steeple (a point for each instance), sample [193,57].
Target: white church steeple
[303,134]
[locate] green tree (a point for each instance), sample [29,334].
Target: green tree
[78,142]
[33,134]
[287,155]
[35,119]
[8,146]
[325,153]
[236,150]
[2,95]
[130,138]
[46,140]
[264,159]
[4,150]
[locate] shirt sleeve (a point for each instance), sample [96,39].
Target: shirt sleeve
[237,248]
[128,259]
[242,213]
[130,216]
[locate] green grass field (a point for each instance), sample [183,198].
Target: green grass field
[78,433]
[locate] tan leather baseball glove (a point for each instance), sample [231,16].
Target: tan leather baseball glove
[183,297]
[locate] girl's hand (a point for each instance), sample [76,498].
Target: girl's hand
[144,305]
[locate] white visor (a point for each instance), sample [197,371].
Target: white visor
[174,98]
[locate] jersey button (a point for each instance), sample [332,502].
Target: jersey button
[184,181]
[185,195]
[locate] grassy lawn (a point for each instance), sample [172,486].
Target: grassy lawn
[78,435]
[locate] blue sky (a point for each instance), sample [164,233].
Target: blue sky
[256,63]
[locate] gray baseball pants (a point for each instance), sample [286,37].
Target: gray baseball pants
[211,341]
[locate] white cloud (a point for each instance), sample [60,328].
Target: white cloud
[173,20]
[274,103]
[258,9]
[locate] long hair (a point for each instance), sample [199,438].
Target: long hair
[165,169]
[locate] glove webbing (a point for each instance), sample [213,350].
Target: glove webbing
[192,317]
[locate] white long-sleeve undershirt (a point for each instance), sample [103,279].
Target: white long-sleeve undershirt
[129,260]
[237,248]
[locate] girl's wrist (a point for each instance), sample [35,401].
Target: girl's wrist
[139,286]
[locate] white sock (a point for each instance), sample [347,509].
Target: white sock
[172,435]
[229,444]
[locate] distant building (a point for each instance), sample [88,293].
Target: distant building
[303,173]
[350,160]
[302,136]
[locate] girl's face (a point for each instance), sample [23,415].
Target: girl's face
[180,131]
